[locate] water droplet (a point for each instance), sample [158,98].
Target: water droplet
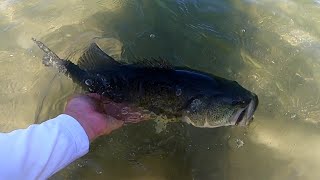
[178,92]
[106,84]
[80,165]
[25,89]
[239,143]
[99,171]
[88,82]
[152,36]
[125,110]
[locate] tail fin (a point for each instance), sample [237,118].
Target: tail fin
[50,58]
[64,66]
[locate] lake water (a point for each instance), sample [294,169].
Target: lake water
[271,47]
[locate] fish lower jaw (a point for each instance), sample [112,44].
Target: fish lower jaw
[187,120]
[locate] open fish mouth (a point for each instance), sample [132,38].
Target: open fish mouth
[245,115]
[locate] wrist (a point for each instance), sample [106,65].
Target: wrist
[91,130]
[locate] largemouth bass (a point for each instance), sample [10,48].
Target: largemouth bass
[194,97]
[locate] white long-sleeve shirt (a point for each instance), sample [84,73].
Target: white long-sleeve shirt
[41,150]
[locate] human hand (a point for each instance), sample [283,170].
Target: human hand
[99,115]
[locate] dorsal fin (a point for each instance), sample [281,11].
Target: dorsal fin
[154,63]
[95,58]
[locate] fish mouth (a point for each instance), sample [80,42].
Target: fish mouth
[244,116]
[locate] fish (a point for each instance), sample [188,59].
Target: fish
[170,92]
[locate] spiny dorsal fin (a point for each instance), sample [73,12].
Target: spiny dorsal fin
[95,58]
[154,63]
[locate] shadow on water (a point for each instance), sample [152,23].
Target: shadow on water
[209,36]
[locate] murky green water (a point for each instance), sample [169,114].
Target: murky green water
[270,47]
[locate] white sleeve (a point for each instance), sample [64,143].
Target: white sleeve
[41,150]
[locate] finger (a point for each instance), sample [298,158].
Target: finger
[135,114]
[112,109]
[126,112]
[133,117]
[95,96]
[74,96]
[112,124]
[91,96]
[99,98]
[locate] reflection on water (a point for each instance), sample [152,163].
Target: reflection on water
[270,47]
